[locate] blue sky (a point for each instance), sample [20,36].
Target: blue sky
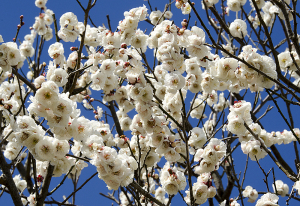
[89,195]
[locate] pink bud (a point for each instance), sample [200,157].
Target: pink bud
[74,48]
[126,64]
[124,46]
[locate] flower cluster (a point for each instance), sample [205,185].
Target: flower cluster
[239,114]
[172,179]
[197,138]
[26,47]
[268,199]
[210,156]
[238,28]
[56,52]
[115,169]
[21,184]
[10,56]
[202,189]
[128,27]
[157,16]
[42,24]
[280,188]
[235,5]
[70,28]
[57,75]
[160,195]
[287,60]
[250,193]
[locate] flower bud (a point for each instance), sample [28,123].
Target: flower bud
[122,51]
[211,192]
[172,138]
[74,48]
[178,4]
[126,64]
[124,46]
[6,106]
[42,15]
[181,31]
